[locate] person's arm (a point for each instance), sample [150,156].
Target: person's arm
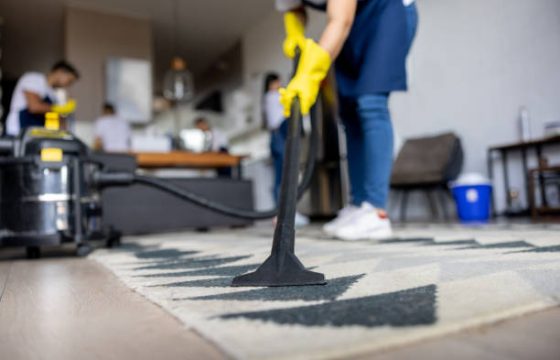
[340,15]
[97,144]
[35,104]
[98,131]
[316,58]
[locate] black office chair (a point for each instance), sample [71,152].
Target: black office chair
[427,164]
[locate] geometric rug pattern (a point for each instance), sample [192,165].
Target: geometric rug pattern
[426,282]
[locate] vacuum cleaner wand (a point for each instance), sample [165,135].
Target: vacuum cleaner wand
[283,268]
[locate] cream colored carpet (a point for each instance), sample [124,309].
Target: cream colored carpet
[427,282]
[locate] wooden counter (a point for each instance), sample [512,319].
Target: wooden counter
[183,159]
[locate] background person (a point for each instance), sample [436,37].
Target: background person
[112,132]
[368,41]
[34,95]
[219,142]
[277,125]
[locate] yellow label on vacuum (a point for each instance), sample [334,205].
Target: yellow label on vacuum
[51,155]
[51,134]
[52,121]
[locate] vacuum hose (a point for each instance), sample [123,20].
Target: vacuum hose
[120,179]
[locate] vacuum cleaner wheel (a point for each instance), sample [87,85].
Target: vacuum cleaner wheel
[33,252]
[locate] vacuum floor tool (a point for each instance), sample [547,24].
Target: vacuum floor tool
[283,268]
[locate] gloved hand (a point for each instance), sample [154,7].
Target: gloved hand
[65,109]
[295,34]
[313,67]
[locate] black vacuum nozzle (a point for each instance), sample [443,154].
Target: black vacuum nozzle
[280,269]
[283,268]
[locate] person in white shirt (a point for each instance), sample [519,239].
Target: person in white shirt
[219,142]
[34,96]
[276,123]
[112,132]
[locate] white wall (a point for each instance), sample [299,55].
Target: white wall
[474,63]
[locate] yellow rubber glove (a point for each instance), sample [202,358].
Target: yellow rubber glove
[295,34]
[65,109]
[313,67]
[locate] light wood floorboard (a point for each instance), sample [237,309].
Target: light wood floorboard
[76,309]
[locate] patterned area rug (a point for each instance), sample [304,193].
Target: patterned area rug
[426,282]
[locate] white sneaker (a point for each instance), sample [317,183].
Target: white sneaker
[365,224]
[301,220]
[343,215]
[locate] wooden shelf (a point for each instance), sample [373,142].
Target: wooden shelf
[551,140]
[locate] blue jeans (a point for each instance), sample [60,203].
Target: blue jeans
[277,144]
[369,142]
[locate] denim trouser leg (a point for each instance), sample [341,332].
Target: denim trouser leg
[369,136]
[378,147]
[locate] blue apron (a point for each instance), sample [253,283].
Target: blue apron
[373,58]
[28,119]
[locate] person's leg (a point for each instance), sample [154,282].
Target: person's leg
[278,163]
[377,162]
[354,148]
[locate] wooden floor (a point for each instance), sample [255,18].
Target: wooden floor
[63,308]
[76,309]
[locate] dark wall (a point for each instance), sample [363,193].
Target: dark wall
[33,36]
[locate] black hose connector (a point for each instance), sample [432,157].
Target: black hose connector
[106,179]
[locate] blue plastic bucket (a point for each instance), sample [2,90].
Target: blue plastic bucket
[473,202]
